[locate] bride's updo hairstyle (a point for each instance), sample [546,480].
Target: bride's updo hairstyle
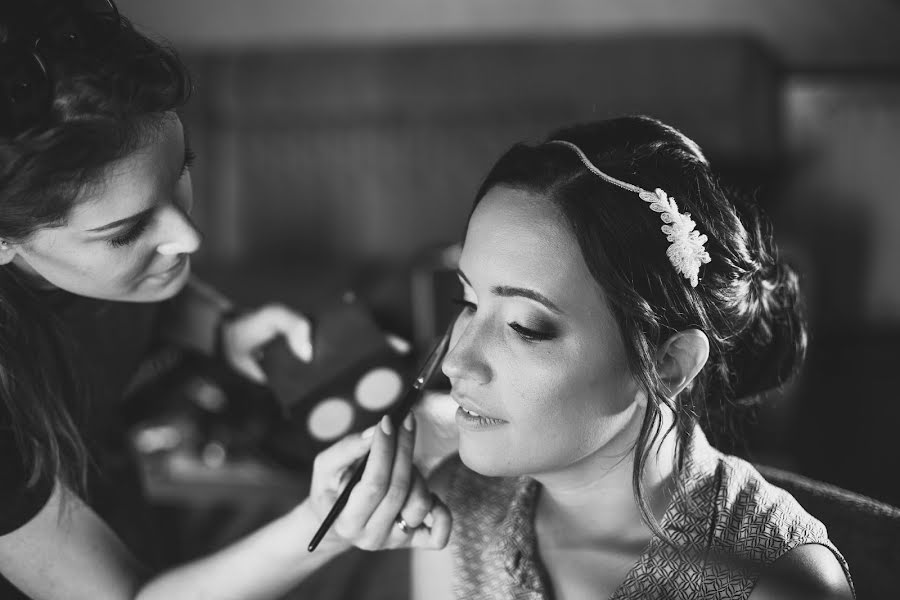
[746,301]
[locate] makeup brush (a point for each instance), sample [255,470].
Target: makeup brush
[413,394]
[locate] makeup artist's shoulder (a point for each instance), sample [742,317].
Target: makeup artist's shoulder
[809,572]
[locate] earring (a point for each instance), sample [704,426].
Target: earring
[641,396]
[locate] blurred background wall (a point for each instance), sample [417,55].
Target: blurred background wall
[337,139]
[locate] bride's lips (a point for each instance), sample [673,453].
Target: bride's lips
[470,416]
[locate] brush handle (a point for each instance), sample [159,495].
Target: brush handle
[339,504]
[396,415]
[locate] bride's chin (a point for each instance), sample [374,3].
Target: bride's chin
[485,463]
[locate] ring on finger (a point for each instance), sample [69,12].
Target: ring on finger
[403,525]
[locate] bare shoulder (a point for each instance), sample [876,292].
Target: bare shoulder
[808,571]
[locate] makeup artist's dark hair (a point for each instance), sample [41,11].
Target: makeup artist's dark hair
[107,101]
[747,302]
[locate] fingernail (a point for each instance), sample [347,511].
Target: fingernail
[386,425]
[368,432]
[409,422]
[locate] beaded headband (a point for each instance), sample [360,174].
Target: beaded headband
[686,251]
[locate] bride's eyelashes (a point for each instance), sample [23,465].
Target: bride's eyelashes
[532,335]
[529,334]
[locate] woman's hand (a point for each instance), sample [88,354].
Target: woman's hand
[391,506]
[243,337]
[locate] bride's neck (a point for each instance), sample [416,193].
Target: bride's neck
[594,498]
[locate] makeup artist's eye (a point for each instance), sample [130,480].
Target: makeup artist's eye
[131,235]
[531,335]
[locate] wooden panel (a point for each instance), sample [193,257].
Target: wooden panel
[372,153]
[818,35]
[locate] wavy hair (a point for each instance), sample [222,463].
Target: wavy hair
[106,103]
[747,303]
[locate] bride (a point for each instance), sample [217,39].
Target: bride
[612,295]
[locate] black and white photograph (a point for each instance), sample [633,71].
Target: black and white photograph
[471,300]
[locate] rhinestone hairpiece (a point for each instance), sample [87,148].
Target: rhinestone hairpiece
[686,249]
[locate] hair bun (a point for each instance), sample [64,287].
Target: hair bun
[772,348]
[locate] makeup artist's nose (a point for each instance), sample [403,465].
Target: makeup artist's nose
[180,235]
[465,359]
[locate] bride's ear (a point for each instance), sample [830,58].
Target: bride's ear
[680,359]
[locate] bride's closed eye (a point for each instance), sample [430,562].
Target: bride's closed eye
[528,334]
[532,335]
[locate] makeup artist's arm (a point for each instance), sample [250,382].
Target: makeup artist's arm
[67,551]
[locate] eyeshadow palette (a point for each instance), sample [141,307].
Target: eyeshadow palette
[356,374]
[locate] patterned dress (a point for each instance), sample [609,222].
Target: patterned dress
[727,525]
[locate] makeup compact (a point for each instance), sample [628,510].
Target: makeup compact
[356,375]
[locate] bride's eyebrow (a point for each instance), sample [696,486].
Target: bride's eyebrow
[507,291]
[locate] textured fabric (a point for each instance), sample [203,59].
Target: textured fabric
[867,531]
[727,525]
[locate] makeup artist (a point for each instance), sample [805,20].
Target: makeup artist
[95,245]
